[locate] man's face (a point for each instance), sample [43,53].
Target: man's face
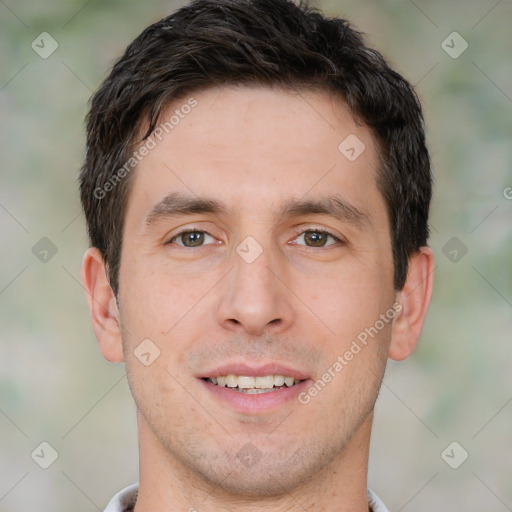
[260,283]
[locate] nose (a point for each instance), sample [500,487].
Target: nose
[255,299]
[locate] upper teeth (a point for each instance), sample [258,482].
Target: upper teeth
[245,382]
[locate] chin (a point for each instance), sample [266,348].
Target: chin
[261,482]
[268,475]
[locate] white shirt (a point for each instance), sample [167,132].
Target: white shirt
[124,501]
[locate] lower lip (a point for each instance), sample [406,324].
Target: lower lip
[255,404]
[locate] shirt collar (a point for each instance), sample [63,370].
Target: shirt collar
[124,501]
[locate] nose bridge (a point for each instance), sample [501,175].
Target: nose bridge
[254,300]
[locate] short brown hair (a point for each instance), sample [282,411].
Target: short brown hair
[259,42]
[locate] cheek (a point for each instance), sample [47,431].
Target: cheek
[159,315]
[347,301]
[153,390]
[155,298]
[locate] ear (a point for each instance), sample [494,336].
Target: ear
[102,305]
[415,299]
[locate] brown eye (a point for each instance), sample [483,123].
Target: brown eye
[190,238]
[317,238]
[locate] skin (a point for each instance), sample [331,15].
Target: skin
[297,304]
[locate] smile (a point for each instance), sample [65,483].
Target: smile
[254,385]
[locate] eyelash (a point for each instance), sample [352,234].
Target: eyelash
[318,230]
[299,233]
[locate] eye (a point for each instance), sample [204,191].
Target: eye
[317,238]
[191,238]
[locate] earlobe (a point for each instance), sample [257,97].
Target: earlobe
[415,299]
[102,305]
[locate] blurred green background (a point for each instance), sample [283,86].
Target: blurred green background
[54,384]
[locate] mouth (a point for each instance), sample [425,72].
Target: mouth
[253,385]
[254,390]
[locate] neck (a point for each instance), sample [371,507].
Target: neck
[165,484]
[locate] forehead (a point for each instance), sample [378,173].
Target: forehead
[255,147]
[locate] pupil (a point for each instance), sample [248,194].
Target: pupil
[315,238]
[195,238]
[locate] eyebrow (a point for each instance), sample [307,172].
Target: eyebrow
[178,204]
[334,205]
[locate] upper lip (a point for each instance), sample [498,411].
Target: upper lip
[254,371]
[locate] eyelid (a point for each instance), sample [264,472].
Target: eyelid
[301,230]
[297,232]
[189,229]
